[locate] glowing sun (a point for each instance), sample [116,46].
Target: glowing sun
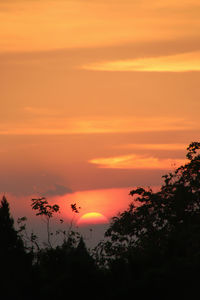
[92,218]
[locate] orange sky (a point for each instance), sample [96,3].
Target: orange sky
[96,95]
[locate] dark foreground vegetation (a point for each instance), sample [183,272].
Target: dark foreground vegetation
[151,250]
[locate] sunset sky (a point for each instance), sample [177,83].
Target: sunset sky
[97,97]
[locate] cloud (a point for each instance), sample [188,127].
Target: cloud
[67,24]
[168,147]
[95,125]
[20,181]
[183,62]
[133,161]
[74,57]
[58,190]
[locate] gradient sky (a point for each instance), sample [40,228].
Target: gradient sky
[96,97]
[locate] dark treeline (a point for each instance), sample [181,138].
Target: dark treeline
[151,250]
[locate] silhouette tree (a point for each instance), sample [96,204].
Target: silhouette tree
[15,262]
[62,267]
[47,211]
[10,241]
[156,241]
[68,269]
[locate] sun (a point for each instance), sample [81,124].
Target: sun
[92,218]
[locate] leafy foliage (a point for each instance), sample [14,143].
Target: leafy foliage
[74,208]
[158,237]
[44,208]
[47,211]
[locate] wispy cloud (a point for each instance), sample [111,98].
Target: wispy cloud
[68,24]
[133,161]
[57,190]
[183,62]
[168,147]
[60,125]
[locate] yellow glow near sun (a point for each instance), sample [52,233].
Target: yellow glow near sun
[92,218]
